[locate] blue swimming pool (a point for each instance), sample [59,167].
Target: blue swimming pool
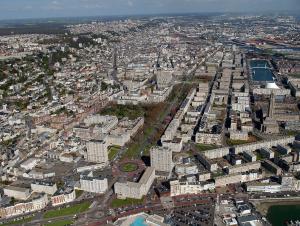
[139,221]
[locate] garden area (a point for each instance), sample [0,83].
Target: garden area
[121,111]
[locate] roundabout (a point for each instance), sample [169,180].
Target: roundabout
[128,168]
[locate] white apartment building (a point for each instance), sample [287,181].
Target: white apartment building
[95,184]
[35,204]
[175,145]
[17,192]
[184,187]
[164,78]
[62,197]
[222,181]
[30,163]
[238,135]
[44,187]
[161,159]
[136,190]
[104,123]
[264,187]
[209,138]
[124,131]
[267,153]
[244,167]
[186,169]
[97,151]
[249,156]
[283,149]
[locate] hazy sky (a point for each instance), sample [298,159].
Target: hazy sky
[13,9]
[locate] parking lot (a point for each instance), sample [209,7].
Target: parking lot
[195,215]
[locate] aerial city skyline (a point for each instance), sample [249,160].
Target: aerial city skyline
[150,113]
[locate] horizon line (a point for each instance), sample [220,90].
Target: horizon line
[295,12]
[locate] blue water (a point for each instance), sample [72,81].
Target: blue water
[261,70]
[259,63]
[139,221]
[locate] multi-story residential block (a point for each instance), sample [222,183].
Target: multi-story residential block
[164,78]
[30,163]
[17,192]
[104,123]
[134,190]
[63,196]
[208,163]
[250,156]
[161,159]
[97,151]
[283,149]
[267,153]
[237,178]
[183,187]
[263,187]
[244,167]
[272,167]
[93,183]
[209,138]
[37,203]
[44,187]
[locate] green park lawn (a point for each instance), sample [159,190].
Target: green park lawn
[74,209]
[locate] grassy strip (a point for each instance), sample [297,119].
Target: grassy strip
[18,222]
[205,147]
[113,151]
[292,133]
[217,174]
[237,142]
[126,202]
[77,208]
[295,75]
